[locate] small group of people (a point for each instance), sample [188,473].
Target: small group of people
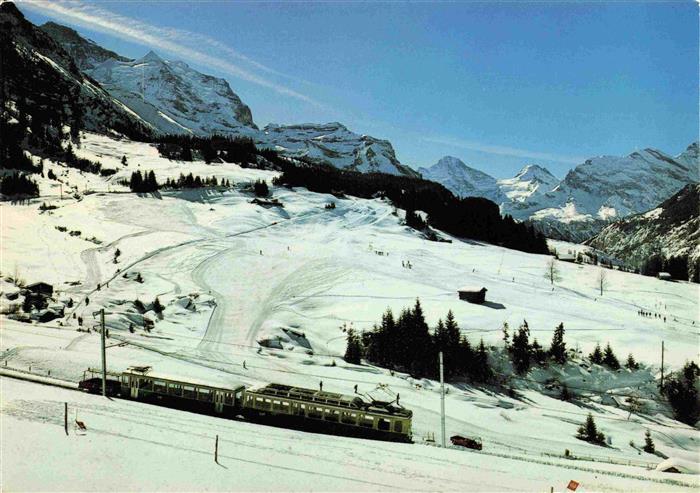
[406,264]
[647,314]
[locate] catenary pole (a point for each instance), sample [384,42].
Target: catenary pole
[442,401]
[104,353]
[662,366]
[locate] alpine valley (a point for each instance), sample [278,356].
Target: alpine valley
[152,234]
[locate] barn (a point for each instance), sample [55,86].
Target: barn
[472,294]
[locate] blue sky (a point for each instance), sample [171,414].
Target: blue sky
[499,85]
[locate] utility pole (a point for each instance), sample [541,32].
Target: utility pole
[662,366]
[442,401]
[216,450]
[65,417]
[104,353]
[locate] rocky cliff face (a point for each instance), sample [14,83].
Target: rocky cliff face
[333,143]
[85,53]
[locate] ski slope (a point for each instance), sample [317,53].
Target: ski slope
[272,287]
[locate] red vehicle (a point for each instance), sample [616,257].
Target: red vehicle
[472,443]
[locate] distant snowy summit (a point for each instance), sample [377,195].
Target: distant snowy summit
[594,193]
[531,181]
[608,188]
[463,180]
[333,143]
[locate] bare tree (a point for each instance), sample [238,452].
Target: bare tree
[552,272]
[602,280]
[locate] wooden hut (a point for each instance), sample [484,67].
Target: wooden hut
[472,294]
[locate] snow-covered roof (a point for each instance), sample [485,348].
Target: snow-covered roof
[472,289]
[680,465]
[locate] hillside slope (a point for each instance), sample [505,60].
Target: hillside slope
[670,230]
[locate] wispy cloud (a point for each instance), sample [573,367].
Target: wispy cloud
[504,151]
[182,44]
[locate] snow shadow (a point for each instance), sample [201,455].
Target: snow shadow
[494,305]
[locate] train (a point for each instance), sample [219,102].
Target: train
[272,404]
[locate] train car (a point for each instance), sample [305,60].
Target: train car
[328,412]
[141,383]
[273,404]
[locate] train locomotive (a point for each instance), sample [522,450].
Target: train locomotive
[272,404]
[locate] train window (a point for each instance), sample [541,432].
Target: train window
[384,424]
[188,391]
[259,399]
[398,426]
[348,418]
[367,421]
[285,404]
[267,400]
[333,416]
[159,386]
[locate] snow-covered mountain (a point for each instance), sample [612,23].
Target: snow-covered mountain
[531,181]
[592,195]
[670,230]
[176,99]
[333,143]
[41,80]
[170,95]
[463,180]
[607,188]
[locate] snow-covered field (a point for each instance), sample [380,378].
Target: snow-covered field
[231,274]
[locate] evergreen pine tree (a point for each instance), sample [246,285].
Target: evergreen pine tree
[589,432]
[597,355]
[557,351]
[151,184]
[538,354]
[565,394]
[649,446]
[506,336]
[681,389]
[631,364]
[609,358]
[466,358]
[520,349]
[483,372]
[353,352]
[157,306]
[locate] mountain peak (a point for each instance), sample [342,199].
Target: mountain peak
[449,161]
[535,172]
[151,56]
[462,180]
[9,8]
